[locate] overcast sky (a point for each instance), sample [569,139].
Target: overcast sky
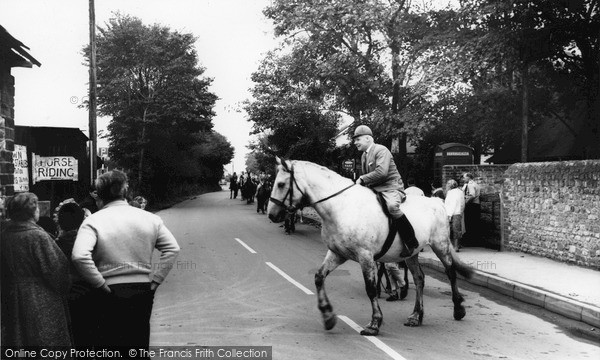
[233,35]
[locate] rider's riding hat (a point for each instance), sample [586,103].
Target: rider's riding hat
[362,130]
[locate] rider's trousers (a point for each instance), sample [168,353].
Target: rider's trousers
[393,199]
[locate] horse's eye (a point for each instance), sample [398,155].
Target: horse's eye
[280,185]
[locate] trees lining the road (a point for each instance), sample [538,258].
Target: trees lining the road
[150,84]
[476,71]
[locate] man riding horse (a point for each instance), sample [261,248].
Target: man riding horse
[381,174]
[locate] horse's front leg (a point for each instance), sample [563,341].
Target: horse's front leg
[416,318]
[369,270]
[332,261]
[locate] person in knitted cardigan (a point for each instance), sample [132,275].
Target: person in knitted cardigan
[122,239]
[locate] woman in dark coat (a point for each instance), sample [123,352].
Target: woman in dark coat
[35,280]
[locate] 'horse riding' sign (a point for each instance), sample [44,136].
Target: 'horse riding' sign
[54,168]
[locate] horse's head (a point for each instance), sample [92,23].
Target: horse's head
[286,195]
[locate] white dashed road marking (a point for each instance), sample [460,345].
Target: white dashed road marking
[246,246]
[380,344]
[289,278]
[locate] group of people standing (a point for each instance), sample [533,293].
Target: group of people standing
[252,187]
[92,287]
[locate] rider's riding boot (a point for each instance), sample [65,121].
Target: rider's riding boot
[407,234]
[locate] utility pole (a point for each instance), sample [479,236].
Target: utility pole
[92,94]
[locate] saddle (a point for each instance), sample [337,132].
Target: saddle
[394,228]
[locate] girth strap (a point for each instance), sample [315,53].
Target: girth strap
[390,239]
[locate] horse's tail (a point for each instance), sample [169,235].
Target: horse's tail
[460,267]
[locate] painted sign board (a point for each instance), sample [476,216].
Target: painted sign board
[21,166]
[54,168]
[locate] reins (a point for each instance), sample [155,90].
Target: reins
[334,195]
[291,208]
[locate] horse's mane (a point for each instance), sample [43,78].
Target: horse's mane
[328,173]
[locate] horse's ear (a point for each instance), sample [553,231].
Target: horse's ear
[278,160]
[284,163]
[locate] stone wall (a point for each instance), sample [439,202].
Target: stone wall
[552,209]
[490,178]
[7,131]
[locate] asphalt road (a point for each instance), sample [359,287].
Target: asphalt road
[239,280]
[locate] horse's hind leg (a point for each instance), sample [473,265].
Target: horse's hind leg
[369,270]
[444,253]
[332,261]
[416,318]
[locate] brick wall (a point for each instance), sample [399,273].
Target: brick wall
[490,178]
[552,209]
[7,132]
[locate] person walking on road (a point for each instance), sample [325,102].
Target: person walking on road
[379,172]
[113,253]
[263,191]
[396,278]
[233,186]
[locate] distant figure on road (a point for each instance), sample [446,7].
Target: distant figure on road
[241,185]
[233,186]
[263,191]
[113,253]
[249,188]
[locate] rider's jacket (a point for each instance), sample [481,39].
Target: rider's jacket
[379,170]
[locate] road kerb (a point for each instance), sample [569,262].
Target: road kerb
[564,306]
[529,295]
[590,315]
[557,304]
[502,286]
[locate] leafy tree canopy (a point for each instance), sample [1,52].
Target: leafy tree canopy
[150,84]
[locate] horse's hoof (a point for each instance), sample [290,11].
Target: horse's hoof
[413,322]
[403,292]
[459,312]
[330,322]
[370,332]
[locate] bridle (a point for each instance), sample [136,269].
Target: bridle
[291,208]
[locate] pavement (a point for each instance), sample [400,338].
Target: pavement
[568,290]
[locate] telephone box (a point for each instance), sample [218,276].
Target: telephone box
[450,154]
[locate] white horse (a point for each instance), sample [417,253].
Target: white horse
[355,227]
